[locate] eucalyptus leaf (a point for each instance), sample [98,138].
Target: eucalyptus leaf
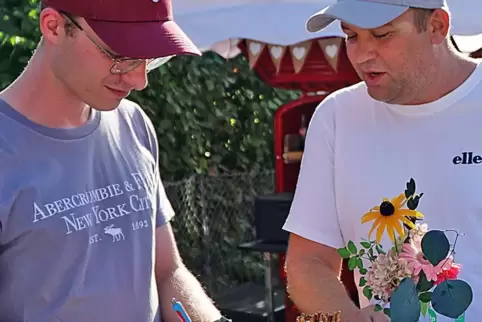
[405,305]
[435,246]
[452,298]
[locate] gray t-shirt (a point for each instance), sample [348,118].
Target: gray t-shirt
[78,213]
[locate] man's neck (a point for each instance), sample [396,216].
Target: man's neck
[41,97]
[451,72]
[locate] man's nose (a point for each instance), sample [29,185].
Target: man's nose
[137,77]
[364,51]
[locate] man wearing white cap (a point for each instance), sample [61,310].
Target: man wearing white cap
[416,114]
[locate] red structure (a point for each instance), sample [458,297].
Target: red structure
[323,69]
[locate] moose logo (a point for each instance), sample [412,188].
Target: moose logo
[116,233]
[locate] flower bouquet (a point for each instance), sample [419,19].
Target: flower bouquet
[418,275]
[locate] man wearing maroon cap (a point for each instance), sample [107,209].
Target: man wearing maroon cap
[84,218]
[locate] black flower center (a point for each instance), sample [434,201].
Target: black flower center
[387,208]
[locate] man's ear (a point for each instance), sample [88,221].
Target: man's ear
[51,25]
[439,26]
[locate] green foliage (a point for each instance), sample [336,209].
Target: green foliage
[210,114]
[410,188]
[19,35]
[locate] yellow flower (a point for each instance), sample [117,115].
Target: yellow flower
[390,215]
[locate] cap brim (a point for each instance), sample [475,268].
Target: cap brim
[362,14]
[144,40]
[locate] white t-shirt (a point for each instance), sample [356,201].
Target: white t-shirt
[359,150]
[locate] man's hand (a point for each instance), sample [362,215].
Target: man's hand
[367,314]
[174,280]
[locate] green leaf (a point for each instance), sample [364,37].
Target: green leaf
[367,291]
[351,247]
[379,249]
[363,271]
[452,298]
[410,188]
[363,282]
[423,284]
[344,253]
[386,311]
[359,263]
[412,203]
[361,252]
[366,244]
[378,308]
[423,308]
[352,263]
[425,297]
[404,303]
[435,246]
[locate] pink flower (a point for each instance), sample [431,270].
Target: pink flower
[416,261]
[448,274]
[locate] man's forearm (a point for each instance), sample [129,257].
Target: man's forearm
[183,286]
[314,287]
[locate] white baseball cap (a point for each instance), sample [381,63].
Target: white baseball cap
[367,14]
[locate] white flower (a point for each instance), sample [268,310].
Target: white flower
[385,274]
[419,231]
[417,234]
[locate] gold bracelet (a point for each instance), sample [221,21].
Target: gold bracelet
[320,317]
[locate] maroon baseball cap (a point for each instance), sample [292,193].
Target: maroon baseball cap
[132,28]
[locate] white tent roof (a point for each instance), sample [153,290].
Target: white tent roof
[217,24]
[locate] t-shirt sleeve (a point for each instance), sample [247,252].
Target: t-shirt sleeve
[313,213]
[163,208]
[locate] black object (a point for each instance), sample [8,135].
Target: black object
[263,246]
[270,213]
[246,303]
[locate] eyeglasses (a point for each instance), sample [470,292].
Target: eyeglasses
[122,65]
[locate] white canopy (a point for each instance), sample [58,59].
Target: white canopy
[218,24]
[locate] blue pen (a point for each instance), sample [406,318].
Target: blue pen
[180,311]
